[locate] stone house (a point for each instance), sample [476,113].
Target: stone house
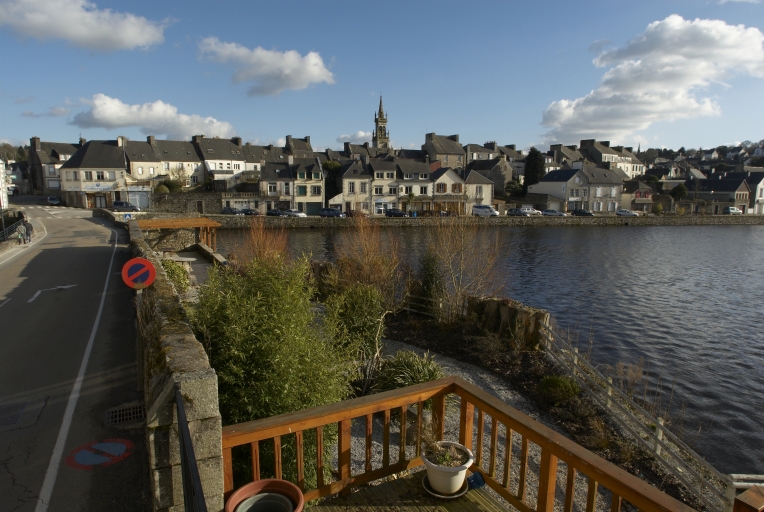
[718,192]
[223,159]
[94,176]
[449,193]
[568,189]
[603,155]
[478,189]
[416,184]
[354,180]
[385,185]
[605,188]
[476,152]
[637,196]
[297,184]
[445,149]
[498,170]
[44,161]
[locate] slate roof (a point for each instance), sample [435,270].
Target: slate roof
[295,144]
[222,149]
[50,152]
[484,165]
[177,151]
[272,171]
[407,165]
[724,185]
[383,165]
[511,153]
[355,169]
[475,178]
[560,175]
[138,151]
[444,145]
[631,186]
[597,175]
[97,154]
[477,148]
[257,154]
[413,154]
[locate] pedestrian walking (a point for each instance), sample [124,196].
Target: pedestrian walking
[22,232]
[30,230]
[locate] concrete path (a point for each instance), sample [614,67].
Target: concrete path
[67,355]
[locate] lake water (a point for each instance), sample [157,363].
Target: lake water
[689,300]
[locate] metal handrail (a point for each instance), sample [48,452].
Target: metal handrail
[193,494]
[8,231]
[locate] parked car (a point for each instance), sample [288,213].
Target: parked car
[582,213]
[54,201]
[275,213]
[294,213]
[331,212]
[626,213]
[553,213]
[530,210]
[395,212]
[517,212]
[484,210]
[731,210]
[249,211]
[356,213]
[124,206]
[231,211]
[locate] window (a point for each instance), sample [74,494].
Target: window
[584,193]
[393,191]
[228,165]
[456,188]
[210,150]
[351,187]
[237,166]
[390,175]
[212,165]
[408,176]
[364,206]
[302,190]
[423,191]
[440,188]
[316,176]
[315,190]
[271,188]
[407,190]
[51,170]
[301,175]
[422,176]
[363,187]
[100,175]
[597,206]
[194,180]
[140,170]
[151,170]
[88,175]
[611,206]
[377,191]
[445,159]
[459,159]
[598,192]
[612,191]
[75,175]
[379,175]
[478,190]
[111,175]
[166,166]
[286,189]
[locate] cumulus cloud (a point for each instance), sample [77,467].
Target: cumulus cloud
[157,118]
[52,112]
[80,23]
[658,76]
[722,2]
[269,71]
[358,137]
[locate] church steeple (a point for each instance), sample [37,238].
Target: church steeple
[381,137]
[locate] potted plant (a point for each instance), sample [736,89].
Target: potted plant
[268,495]
[446,462]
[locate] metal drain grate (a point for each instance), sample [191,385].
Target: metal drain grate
[125,414]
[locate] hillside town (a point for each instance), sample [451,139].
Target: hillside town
[444,177]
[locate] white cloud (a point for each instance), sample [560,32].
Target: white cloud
[358,137]
[157,118]
[722,2]
[269,71]
[80,23]
[657,76]
[52,112]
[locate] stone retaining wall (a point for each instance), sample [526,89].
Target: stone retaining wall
[171,354]
[508,319]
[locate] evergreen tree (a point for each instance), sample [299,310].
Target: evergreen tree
[534,168]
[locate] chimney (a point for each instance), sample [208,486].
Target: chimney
[427,159]
[307,139]
[587,142]
[454,138]
[573,147]
[366,158]
[288,140]
[513,147]
[237,141]
[492,145]
[605,143]
[197,138]
[555,147]
[428,137]
[35,143]
[151,140]
[82,141]
[121,141]
[630,150]
[347,149]
[366,145]
[290,159]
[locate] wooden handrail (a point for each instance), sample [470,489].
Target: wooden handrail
[554,447]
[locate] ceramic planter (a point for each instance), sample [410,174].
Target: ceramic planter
[445,480]
[270,493]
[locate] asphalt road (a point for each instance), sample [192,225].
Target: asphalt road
[74,263]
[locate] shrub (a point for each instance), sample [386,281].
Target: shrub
[429,286]
[161,189]
[176,274]
[557,390]
[407,369]
[173,185]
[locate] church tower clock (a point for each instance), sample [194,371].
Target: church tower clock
[381,137]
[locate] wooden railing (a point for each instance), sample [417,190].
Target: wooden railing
[519,458]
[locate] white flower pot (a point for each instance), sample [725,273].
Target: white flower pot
[444,480]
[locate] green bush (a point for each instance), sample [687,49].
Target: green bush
[161,189]
[177,275]
[430,285]
[407,369]
[557,390]
[173,185]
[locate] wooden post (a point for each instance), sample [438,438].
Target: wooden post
[466,422]
[439,415]
[659,434]
[547,481]
[344,452]
[751,500]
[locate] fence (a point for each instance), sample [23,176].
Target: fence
[9,230]
[716,491]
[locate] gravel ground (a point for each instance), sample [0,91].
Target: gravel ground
[495,386]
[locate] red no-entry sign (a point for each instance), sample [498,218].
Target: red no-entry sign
[138,273]
[99,453]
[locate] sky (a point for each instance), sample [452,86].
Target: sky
[667,73]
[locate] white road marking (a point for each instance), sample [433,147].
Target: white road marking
[48,289]
[30,245]
[43,500]
[4,303]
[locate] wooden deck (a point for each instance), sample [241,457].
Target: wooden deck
[405,494]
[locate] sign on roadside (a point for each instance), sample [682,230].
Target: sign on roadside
[138,273]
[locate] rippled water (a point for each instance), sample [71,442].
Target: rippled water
[689,300]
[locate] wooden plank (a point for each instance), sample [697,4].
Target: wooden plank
[343,445]
[300,460]
[254,449]
[523,470]
[402,443]
[570,488]
[615,503]
[504,493]
[591,495]
[439,414]
[386,440]
[479,449]
[369,425]
[466,421]
[507,458]
[419,413]
[227,471]
[320,456]
[494,441]
[277,456]
[547,481]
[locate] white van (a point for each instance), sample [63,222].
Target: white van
[484,210]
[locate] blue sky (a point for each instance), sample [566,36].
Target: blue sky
[667,73]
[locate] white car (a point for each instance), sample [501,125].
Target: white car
[626,213]
[484,210]
[530,210]
[294,213]
[553,213]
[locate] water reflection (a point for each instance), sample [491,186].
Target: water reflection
[686,299]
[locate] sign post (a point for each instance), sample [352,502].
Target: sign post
[138,273]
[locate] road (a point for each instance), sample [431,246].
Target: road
[64,314]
